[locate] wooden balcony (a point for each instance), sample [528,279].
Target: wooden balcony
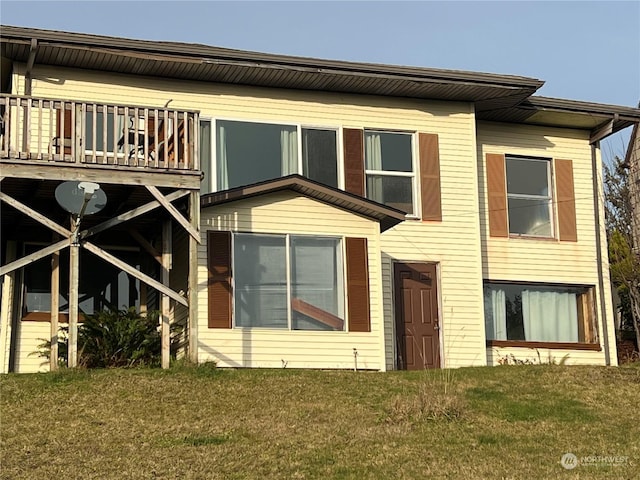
[38,132]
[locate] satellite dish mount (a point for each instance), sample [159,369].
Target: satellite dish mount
[80,199]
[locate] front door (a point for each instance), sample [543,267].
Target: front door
[417,326]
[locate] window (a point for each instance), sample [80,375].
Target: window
[389,169]
[529,196]
[539,313]
[98,143]
[288,281]
[109,288]
[253,152]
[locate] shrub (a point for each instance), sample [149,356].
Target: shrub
[113,338]
[119,338]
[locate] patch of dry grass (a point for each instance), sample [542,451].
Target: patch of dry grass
[503,422]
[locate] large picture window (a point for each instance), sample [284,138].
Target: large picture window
[539,313]
[389,169]
[249,152]
[288,281]
[529,196]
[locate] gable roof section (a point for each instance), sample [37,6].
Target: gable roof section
[213,64]
[387,217]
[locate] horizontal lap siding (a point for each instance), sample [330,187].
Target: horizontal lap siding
[30,336]
[454,242]
[546,260]
[288,212]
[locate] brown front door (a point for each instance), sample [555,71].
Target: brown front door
[417,326]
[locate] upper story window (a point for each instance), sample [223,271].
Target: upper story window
[248,152]
[390,175]
[529,196]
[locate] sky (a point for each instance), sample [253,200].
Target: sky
[583,50]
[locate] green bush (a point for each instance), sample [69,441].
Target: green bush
[113,338]
[119,338]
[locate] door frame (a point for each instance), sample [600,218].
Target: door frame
[394,300]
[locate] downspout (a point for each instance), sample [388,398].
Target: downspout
[596,208]
[30,62]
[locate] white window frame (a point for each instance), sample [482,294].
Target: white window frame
[342,250]
[299,126]
[393,173]
[548,198]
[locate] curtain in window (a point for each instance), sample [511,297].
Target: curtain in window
[222,169]
[373,156]
[550,316]
[495,316]
[289,149]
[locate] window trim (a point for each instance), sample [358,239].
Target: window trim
[581,344]
[299,126]
[289,328]
[416,204]
[550,198]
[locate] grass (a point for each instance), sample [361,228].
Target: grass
[206,423]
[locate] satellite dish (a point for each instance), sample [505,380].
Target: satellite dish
[84,198]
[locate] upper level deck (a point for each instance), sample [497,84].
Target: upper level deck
[59,139]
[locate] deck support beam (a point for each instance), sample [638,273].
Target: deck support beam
[194,217]
[55,307]
[165,328]
[74,273]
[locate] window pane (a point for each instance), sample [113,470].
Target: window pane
[532,313]
[253,152]
[260,281]
[527,176]
[317,292]
[529,217]
[205,156]
[99,140]
[319,156]
[396,192]
[388,151]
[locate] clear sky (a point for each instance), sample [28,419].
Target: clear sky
[582,50]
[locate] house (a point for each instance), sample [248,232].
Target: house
[301,213]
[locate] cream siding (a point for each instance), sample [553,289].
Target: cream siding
[287,212]
[453,243]
[30,336]
[532,260]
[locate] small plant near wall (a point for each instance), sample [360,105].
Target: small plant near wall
[511,359]
[113,338]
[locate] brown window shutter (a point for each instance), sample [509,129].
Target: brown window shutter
[219,279]
[358,285]
[497,195]
[566,201]
[430,176]
[354,161]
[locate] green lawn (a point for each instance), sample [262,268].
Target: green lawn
[206,423]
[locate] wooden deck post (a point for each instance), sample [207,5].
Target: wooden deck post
[74,268]
[6,309]
[166,301]
[194,217]
[55,307]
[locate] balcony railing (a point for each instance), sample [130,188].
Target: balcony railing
[48,130]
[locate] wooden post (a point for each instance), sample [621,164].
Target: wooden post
[194,217]
[166,301]
[74,268]
[55,307]
[6,310]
